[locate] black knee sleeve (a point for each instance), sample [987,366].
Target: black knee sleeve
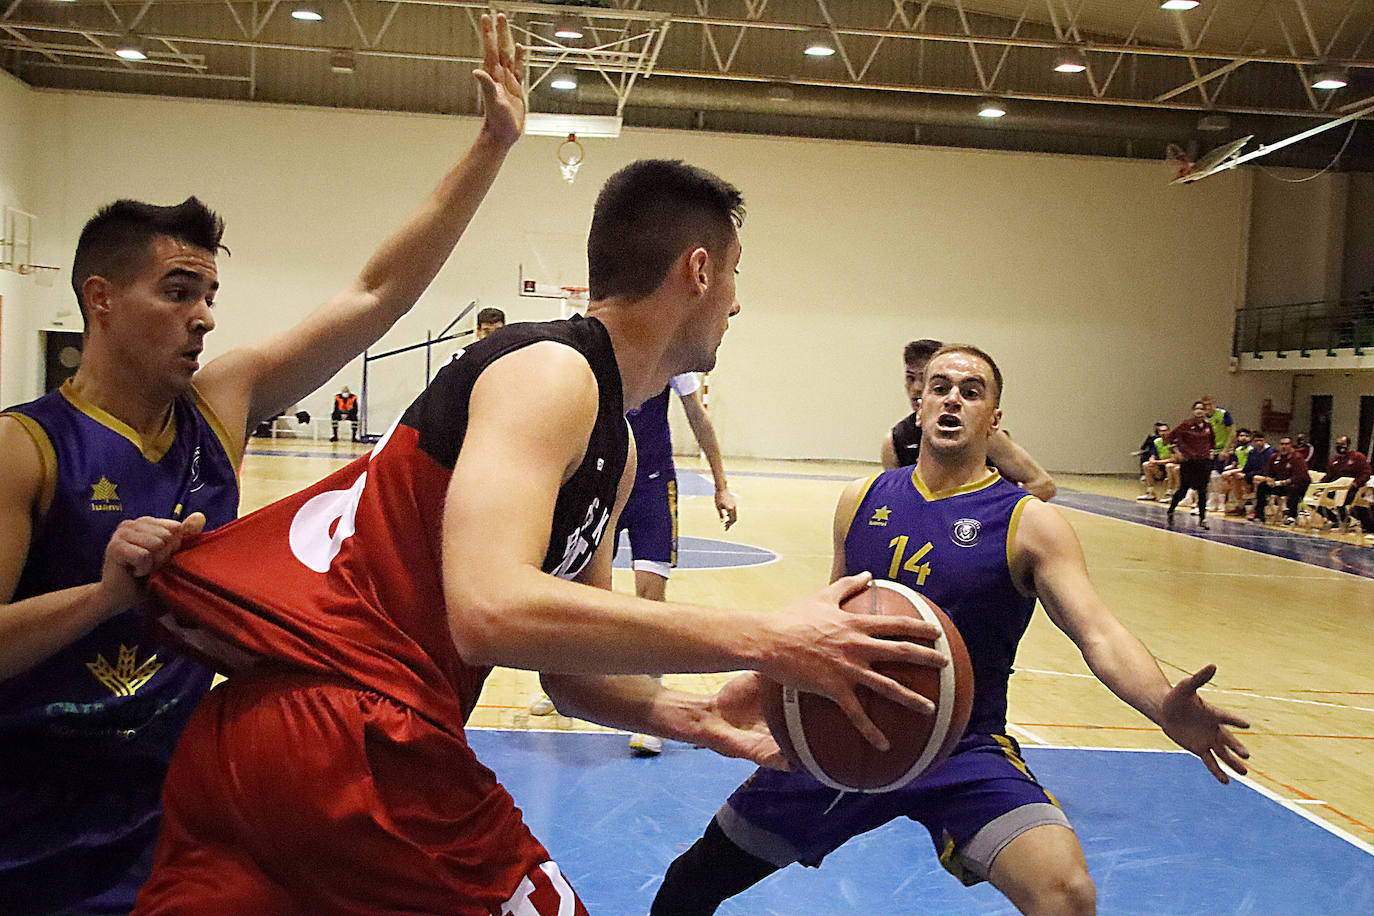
[709,873]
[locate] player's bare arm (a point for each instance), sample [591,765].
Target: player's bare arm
[1017,465]
[254,383]
[33,629]
[1050,564]
[887,452]
[529,416]
[705,432]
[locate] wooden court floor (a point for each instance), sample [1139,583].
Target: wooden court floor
[1294,643]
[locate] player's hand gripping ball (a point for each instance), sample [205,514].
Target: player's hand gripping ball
[817,737]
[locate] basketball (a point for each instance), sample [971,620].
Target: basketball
[817,737]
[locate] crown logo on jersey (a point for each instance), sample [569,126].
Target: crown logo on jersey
[127,675]
[965,532]
[104,496]
[880,515]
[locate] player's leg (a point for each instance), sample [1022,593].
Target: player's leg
[334,418]
[651,585]
[1043,872]
[708,874]
[653,549]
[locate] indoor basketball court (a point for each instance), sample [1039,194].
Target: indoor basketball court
[1170,202]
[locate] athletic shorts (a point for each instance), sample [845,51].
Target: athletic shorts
[650,515]
[974,804]
[288,795]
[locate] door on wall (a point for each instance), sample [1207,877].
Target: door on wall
[1366,423]
[1320,432]
[62,356]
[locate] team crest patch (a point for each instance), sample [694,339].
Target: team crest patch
[965,532]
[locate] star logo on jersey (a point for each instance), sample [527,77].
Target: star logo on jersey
[104,497]
[879,518]
[965,532]
[127,675]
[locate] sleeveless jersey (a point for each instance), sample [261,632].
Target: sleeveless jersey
[344,578]
[1163,450]
[112,704]
[954,547]
[649,423]
[906,441]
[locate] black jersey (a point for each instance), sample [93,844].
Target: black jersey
[906,440]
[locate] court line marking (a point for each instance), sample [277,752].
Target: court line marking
[1294,806]
[1211,689]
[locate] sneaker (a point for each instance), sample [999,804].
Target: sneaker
[1145,498]
[1202,523]
[542,706]
[1289,522]
[1163,499]
[1169,518]
[646,745]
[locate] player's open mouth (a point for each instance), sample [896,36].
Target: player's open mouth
[949,421]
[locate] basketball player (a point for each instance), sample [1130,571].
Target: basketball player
[331,774]
[984,551]
[90,709]
[902,444]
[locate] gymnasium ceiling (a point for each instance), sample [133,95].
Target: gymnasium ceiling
[905,71]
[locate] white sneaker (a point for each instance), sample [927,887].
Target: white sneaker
[1146,498]
[542,706]
[646,745]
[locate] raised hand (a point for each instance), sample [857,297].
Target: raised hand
[138,548]
[820,648]
[502,80]
[1197,726]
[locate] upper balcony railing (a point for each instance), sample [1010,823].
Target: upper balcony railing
[1305,328]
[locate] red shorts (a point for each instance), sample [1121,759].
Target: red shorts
[287,795]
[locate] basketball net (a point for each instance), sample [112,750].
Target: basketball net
[570,156]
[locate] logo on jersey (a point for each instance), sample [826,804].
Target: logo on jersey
[196,482]
[581,544]
[965,532]
[104,497]
[127,675]
[879,519]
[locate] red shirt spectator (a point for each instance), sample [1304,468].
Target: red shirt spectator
[1286,467]
[1347,464]
[1194,438]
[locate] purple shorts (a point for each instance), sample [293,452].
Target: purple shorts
[974,804]
[650,515]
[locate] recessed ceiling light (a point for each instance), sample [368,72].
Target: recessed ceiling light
[1329,79]
[306,14]
[992,108]
[818,43]
[130,47]
[1071,62]
[563,79]
[1178,4]
[567,27]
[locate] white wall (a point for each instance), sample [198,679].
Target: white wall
[18,360]
[1345,389]
[1297,237]
[1358,267]
[1105,294]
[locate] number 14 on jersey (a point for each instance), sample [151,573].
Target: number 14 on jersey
[913,563]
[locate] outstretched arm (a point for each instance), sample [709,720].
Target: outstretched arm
[253,383]
[1016,464]
[705,432]
[1049,561]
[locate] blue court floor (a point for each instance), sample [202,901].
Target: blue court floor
[1161,837]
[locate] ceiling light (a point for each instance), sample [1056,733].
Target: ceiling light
[781,92]
[130,47]
[563,79]
[306,14]
[1213,122]
[818,43]
[342,62]
[1072,62]
[567,27]
[1178,4]
[1329,79]
[992,108]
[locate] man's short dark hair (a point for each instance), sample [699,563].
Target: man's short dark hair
[980,354]
[647,215]
[1260,435]
[1242,430]
[920,351]
[115,241]
[491,315]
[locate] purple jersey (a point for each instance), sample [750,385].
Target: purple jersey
[955,548]
[88,732]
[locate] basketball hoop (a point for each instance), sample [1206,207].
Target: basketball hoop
[570,156]
[26,269]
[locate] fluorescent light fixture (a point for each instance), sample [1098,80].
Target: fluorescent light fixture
[992,108]
[1213,122]
[548,124]
[1178,4]
[1072,62]
[567,27]
[781,92]
[818,43]
[342,62]
[1329,79]
[130,47]
[306,14]
[563,79]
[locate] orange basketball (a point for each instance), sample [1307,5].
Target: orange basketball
[817,738]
